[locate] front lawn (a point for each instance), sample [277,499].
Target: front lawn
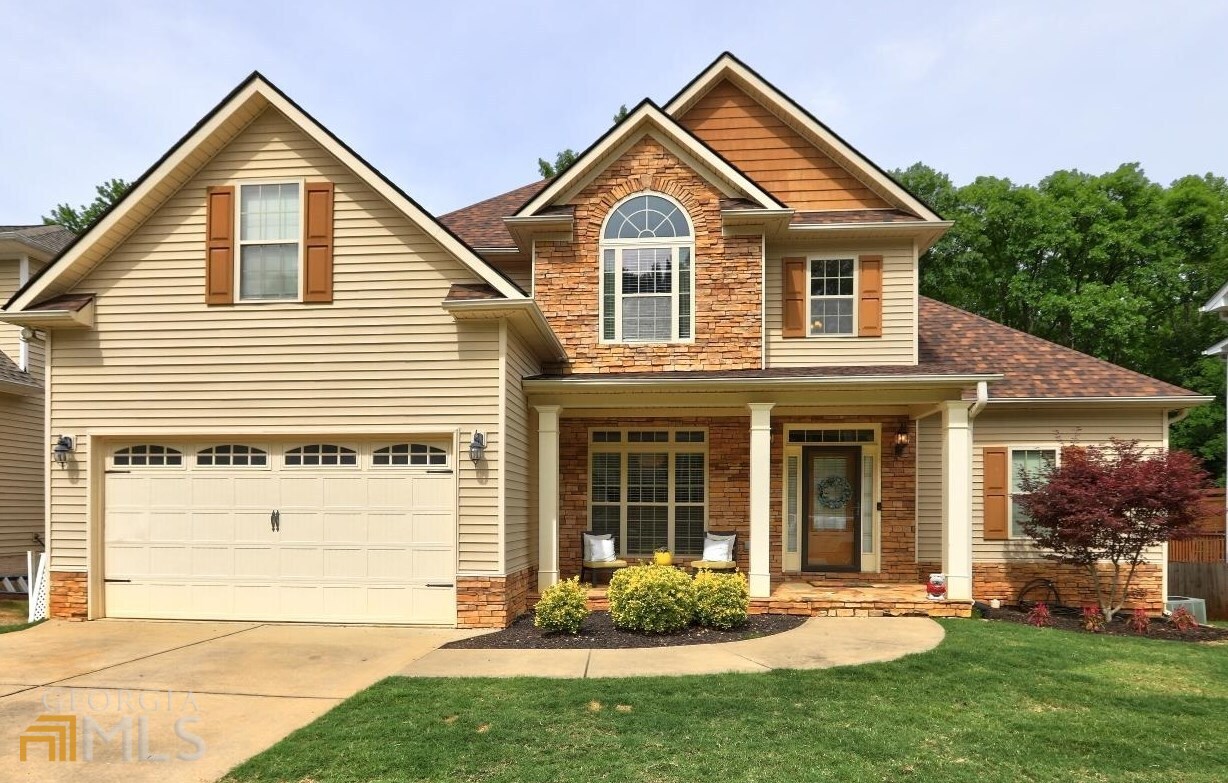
[995,702]
[13,615]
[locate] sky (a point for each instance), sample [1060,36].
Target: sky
[455,101]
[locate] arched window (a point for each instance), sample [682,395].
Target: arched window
[147,456]
[321,454]
[410,455]
[647,273]
[232,455]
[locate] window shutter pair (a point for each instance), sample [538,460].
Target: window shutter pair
[995,481]
[221,241]
[869,293]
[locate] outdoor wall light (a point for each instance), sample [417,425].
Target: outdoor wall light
[901,441]
[61,450]
[477,447]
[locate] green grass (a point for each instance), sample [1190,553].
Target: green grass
[995,702]
[13,616]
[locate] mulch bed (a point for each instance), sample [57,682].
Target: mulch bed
[599,632]
[1067,619]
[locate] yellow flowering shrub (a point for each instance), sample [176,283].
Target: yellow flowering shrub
[652,598]
[563,607]
[721,600]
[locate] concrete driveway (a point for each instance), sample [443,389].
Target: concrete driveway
[179,701]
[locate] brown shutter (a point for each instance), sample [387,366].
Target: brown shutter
[794,311]
[318,243]
[870,306]
[995,479]
[219,245]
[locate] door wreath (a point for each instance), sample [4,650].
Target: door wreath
[833,492]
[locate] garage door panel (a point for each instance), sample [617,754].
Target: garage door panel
[300,492]
[345,563]
[432,528]
[349,492]
[388,564]
[167,525]
[432,563]
[128,526]
[213,491]
[256,562]
[169,492]
[344,528]
[126,561]
[256,491]
[169,560]
[212,526]
[389,491]
[429,493]
[212,561]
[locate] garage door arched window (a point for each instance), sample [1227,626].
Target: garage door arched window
[232,455]
[321,454]
[414,455]
[147,455]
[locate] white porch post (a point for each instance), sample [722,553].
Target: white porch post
[547,495]
[957,500]
[760,498]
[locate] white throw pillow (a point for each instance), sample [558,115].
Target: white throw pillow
[718,548]
[589,539]
[603,550]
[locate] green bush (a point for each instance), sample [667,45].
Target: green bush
[721,600]
[562,608]
[652,598]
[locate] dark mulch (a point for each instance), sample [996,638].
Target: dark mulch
[1067,619]
[599,632]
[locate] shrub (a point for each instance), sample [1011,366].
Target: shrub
[1182,619]
[562,608]
[1039,615]
[1139,622]
[1092,619]
[721,600]
[652,598]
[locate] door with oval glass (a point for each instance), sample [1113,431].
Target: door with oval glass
[832,508]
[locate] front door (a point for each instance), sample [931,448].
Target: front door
[832,509]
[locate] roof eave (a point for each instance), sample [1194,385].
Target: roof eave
[524,314]
[60,318]
[20,389]
[1162,401]
[598,383]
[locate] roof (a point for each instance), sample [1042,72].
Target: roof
[927,369]
[14,379]
[72,302]
[50,239]
[467,291]
[1217,303]
[481,224]
[812,218]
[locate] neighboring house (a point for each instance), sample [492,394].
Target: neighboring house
[273,364]
[24,250]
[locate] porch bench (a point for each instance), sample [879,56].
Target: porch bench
[719,565]
[592,567]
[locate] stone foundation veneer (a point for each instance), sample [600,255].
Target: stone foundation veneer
[1005,580]
[493,601]
[69,596]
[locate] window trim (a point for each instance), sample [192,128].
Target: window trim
[239,184]
[855,297]
[376,447]
[1010,482]
[198,448]
[289,446]
[674,244]
[671,446]
[184,455]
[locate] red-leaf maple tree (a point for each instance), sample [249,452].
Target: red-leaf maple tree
[1101,507]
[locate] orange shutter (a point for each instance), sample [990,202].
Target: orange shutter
[318,243]
[794,311]
[219,245]
[870,306]
[996,489]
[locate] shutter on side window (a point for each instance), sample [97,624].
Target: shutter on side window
[219,245]
[870,297]
[318,243]
[996,487]
[794,306]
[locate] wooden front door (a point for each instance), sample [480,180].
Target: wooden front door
[832,506]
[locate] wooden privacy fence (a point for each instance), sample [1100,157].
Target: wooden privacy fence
[1208,581]
[1205,548]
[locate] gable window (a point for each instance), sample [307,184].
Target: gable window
[1025,462]
[647,272]
[649,488]
[321,454]
[831,296]
[232,455]
[270,232]
[147,456]
[417,455]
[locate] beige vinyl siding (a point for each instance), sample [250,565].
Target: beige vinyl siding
[383,358]
[9,283]
[518,477]
[929,489]
[23,456]
[519,272]
[898,345]
[1037,427]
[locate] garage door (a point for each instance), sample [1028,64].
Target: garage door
[304,530]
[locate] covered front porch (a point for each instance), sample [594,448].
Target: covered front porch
[818,481]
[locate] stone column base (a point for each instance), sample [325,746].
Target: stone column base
[493,601]
[69,596]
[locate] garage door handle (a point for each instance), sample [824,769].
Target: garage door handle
[275,521]
[124,581]
[440,584]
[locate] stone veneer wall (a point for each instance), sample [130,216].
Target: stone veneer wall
[493,601]
[728,271]
[1005,580]
[69,596]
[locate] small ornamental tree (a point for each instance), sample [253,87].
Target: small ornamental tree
[1102,507]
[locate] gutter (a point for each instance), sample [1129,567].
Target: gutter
[501,307]
[576,382]
[982,399]
[1184,401]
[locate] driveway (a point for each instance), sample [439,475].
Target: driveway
[185,701]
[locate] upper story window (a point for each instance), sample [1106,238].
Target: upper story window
[831,296]
[270,232]
[647,272]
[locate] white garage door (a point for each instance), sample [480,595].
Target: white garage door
[304,530]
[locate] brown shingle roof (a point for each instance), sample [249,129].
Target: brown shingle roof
[10,374]
[50,239]
[852,216]
[481,224]
[72,302]
[473,291]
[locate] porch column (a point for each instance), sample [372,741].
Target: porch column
[957,500]
[760,498]
[547,495]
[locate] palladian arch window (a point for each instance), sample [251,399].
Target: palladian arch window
[647,272]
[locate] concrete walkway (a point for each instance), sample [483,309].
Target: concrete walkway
[819,643]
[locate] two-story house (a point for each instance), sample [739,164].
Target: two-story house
[293,394]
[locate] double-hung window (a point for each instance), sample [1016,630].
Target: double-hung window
[270,238]
[1026,462]
[831,296]
[649,488]
[647,273]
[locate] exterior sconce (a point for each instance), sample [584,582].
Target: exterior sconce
[477,447]
[901,441]
[61,450]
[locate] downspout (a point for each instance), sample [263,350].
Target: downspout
[982,398]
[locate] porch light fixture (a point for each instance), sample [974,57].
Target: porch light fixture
[61,450]
[901,441]
[477,447]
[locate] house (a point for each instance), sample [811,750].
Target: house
[24,250]
[294,394]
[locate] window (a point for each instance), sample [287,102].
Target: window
[831,436]
[322,454]
[831,296]
[647,274]
[269,236]
[649,488]
[1025,462]
[232,455]
[418,455]
[147,456]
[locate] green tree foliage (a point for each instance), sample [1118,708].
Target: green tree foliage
[564,159]
[1113,265]
[81,218]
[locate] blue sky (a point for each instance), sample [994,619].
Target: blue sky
[455,101]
